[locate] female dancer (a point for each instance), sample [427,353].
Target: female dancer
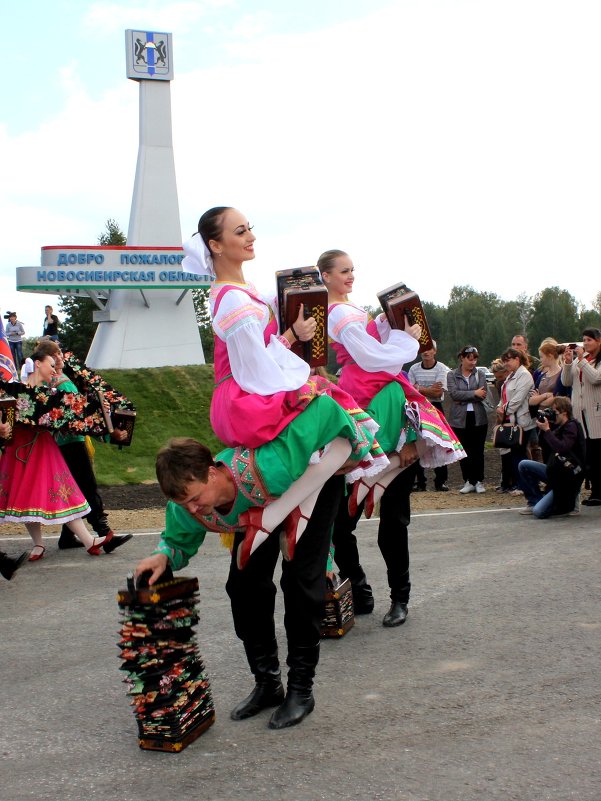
[373,356]
[36,487]
[582,371]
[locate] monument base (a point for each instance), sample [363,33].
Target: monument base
[148,330]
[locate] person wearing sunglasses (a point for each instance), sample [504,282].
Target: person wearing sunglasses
[468,417]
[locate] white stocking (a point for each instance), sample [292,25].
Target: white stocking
[304,491]
[380,480]
[78,527]
[35,532]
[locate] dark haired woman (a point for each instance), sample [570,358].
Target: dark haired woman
[582,371]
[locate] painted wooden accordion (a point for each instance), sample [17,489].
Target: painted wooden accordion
[166,679]
[304,285]
[124,420]
[398,302]
[339,615]
[8,414]
[118,419]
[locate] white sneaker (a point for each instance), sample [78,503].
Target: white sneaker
[480,488]
[467,487]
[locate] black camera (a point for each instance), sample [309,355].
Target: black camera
[546,414]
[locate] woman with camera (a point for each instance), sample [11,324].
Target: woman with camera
[582,371]
[563,439]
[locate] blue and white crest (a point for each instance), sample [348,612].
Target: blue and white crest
[148,55]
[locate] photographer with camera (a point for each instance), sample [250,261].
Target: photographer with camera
[563,445]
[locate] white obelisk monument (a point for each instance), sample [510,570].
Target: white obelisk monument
[150,326]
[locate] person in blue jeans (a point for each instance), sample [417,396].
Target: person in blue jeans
[562,436]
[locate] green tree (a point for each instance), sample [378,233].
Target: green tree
[77,328]
[555,314]
[473,318]
[200,297]
[589,318]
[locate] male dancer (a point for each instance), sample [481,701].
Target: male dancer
[213,495]
[393,542]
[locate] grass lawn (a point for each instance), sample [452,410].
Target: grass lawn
[170,402]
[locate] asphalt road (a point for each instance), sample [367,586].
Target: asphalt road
[489,691]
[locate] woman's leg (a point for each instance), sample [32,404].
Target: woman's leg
[518,454]
[479,434]
[303,492]
[464,464]
[35,532]
[78,527]
[593,466]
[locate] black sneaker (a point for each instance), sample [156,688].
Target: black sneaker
[420,488]
[441,488]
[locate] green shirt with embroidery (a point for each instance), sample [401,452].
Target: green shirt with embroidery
[259,475]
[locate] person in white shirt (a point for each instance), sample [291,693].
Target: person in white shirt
[430,378]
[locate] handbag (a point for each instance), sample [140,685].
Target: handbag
[507,435]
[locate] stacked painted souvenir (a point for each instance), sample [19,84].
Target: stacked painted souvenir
[166,678]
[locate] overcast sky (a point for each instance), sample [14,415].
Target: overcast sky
[439,142]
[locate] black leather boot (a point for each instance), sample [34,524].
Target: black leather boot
[363,597]
[299,701]
[268,690]
[396,615]
[68,539]
[10,565]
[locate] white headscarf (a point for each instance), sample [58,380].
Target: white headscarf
[198,258]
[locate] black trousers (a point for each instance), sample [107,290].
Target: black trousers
[472,437]
[593,466]
[78,461]
[393,536]
[252,591]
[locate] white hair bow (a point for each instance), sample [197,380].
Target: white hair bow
[198,258]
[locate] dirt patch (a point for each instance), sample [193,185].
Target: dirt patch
[134,507]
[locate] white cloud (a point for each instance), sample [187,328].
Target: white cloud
[152,15]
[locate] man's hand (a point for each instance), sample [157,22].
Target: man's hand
[408,454]
[157,563]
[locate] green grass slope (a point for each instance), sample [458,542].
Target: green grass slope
[170,402]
